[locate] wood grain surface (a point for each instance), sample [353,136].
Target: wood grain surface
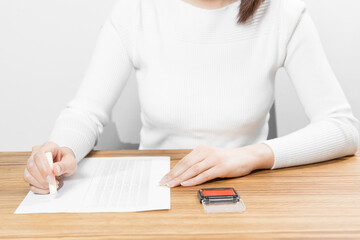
[319,201]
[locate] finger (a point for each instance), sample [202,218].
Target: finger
[66,166]
[183,165]
[43,166]
[33,170]
[50,147]
[192,172]
[203,177]
[39,190]
[31,180]
[54,149]
[35,148]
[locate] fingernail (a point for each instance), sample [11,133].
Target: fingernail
[57,169]
[186,183]
[163,181]
[172,183]
[50,179]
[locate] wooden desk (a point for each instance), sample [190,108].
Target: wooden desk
[314,201]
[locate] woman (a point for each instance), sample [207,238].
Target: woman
[205,71]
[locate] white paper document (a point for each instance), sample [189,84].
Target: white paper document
[108,184]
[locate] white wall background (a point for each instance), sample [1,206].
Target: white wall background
[46,45]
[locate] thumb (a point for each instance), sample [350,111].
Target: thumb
[66,166]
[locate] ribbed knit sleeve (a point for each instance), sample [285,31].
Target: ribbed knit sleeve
[80,124]
[333,130]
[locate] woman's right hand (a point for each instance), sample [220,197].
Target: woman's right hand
[38,173]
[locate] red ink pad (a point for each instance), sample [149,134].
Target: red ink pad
[218,192]
[208,195]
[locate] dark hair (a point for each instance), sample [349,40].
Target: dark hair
[247,9]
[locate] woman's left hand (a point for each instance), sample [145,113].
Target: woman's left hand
[205,163]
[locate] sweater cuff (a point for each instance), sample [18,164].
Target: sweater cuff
[317,142]
[72,139]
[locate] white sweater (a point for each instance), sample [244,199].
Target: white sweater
[204,79]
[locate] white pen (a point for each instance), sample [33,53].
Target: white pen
[52,187]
